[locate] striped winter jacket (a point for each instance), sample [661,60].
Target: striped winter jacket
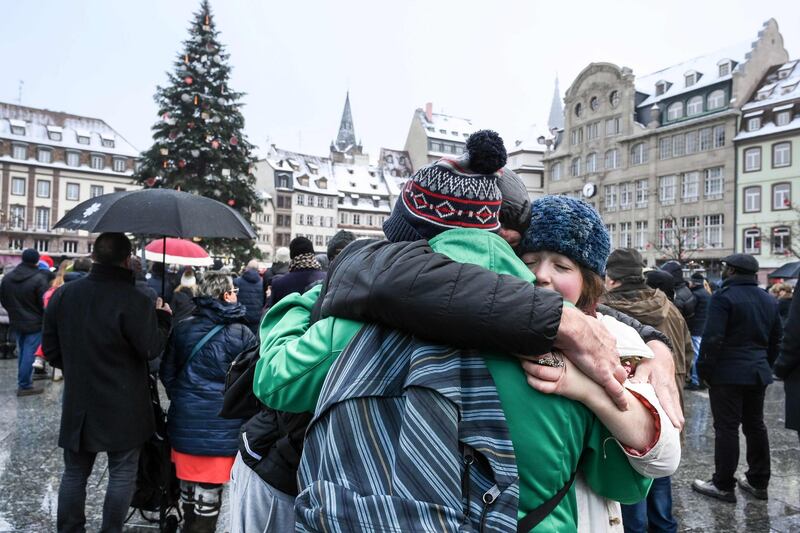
[407,436]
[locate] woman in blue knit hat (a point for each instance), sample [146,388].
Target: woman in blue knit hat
[566,248]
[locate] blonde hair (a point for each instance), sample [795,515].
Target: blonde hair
[58,281]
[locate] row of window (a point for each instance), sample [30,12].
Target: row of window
[687,236]
[43,245]
[624,195]
[781,240]
[689,183]
[782,118]
[593,130]
[781,197]
[595,103]
[17,220]
[444,131]
[445,147]
[311,220]
[73,192]
[781,156]
[356,219]
[691,142]
[696,105]
[318,240]
[314,201]
[57,134]
[72,159]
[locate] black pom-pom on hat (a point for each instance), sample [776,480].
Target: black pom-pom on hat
[487,153]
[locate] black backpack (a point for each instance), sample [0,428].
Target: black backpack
[239,400]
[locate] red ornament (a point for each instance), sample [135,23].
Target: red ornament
[231,202]
[181,163]
[215,144]
[190,125]
[165,164]
[188,80]
[234,141]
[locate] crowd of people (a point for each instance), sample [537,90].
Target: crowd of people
[493,365]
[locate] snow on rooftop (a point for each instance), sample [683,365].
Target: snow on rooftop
[782,84]
[446,127]
[38,122]
[529,140]
[768,129]
[309,171]
[707,66]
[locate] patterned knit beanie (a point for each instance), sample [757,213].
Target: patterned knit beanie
[569,227]
[452,193]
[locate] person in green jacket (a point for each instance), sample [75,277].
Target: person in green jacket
[552,435]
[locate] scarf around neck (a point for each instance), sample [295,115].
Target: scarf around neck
[304,262]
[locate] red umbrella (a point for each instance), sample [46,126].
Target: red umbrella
[177,252]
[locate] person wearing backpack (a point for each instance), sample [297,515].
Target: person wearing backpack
[193,371]
[308,358]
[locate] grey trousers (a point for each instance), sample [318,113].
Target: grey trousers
[255,505]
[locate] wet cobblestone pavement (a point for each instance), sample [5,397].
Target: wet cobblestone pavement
[31,464]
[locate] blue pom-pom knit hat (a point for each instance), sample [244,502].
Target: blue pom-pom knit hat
[569,227]
[451,193]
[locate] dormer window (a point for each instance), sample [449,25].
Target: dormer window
[691,78]
[83,139]
[18,127]
[314,169]
[54,133]
[786,89]
[661,88]
[753,123]
[765,91]
[108,142]
[785,70]
[303,180]
[293,163]
[724,67]
[322,183]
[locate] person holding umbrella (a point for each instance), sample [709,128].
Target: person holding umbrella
[193,371]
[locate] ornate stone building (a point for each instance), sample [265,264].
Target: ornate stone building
[655,155]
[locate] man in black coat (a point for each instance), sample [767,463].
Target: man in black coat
[741,340]
[21,295]
[787,367]
[101,331]
[684,300]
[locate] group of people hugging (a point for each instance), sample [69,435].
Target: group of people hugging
[461,375]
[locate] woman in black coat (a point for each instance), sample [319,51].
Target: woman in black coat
[200,350]
[787,366]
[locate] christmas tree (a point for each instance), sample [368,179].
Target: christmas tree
[199,145]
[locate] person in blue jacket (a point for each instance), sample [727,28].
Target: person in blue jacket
[200,350]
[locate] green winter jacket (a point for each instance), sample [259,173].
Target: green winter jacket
[552,435]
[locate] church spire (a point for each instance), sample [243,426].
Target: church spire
[346,139]
[556,119]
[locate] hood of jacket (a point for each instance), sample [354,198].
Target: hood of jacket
[279,268]
[648,305]
[218,311]
[22,272]
[482,248]
[251,276]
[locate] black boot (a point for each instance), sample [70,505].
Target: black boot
[188,516]
[208,500]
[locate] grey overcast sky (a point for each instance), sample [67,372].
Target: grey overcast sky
[491,61]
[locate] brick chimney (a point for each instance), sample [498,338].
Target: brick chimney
[429,111]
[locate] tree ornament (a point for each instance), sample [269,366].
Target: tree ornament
[226,172]
[188,80]
[207,22]
[221,100]
[186,58]
[186,98]
[173,134]
[190,125]
[195,153]
[217,192]
[206,27]
[165,164]
[234,141]
[209,138]
[216,59]
[196,99]
[215,144]
[163,151]
[165,117]
[181,163]
[231,202]
[150,181]
[205,116]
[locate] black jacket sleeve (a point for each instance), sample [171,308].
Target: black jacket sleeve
[789,359]
[409,287]
[647,333]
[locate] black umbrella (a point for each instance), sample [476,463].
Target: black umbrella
[789,271]
[162,212]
